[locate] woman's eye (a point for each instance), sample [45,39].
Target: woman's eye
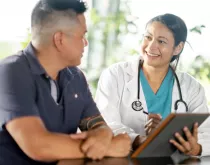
[162,42]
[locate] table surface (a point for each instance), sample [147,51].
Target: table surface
[141,161]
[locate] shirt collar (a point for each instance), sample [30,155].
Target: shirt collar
[35,66]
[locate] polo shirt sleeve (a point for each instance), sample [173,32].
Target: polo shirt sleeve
[90,108]
[17,92]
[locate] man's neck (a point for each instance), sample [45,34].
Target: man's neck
[49,62]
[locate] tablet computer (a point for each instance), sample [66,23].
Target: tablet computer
[157,144]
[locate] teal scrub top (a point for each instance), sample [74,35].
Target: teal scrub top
[159,103]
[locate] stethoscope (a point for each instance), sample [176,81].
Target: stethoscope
[137,105]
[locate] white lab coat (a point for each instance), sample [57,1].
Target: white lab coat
[117,89]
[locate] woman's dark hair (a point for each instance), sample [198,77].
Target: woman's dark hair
[176,25]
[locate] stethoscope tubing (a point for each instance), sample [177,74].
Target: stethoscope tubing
[137,105]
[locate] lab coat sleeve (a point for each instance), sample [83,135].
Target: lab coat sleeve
[198,104]
[108,96]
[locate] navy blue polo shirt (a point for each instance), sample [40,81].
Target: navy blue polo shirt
[25,91]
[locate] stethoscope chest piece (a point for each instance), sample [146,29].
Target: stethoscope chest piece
[137,105]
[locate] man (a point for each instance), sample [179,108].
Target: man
[44,97]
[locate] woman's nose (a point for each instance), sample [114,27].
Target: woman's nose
[153,45]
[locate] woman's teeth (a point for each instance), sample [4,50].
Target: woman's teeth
[153,55]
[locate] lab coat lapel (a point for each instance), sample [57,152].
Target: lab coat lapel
[131,82]
[131,77]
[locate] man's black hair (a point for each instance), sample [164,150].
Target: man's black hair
[78,6]
[45,12]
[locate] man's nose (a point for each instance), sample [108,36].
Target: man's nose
[85,42]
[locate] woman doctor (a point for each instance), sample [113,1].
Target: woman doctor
[127,91]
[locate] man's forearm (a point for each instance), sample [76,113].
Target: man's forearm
[60,146]
[55,146]
[92,122]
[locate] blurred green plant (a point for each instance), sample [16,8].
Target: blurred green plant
[200,68]
[8,48]
[112,28]
[197,29]
[26,41]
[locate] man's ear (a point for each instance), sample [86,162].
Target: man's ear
[58,40]
[178,48]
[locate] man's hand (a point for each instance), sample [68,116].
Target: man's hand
[120,146]
[191,146]
[96,142]
[153,121]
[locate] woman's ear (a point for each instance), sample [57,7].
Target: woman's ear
[178,48]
